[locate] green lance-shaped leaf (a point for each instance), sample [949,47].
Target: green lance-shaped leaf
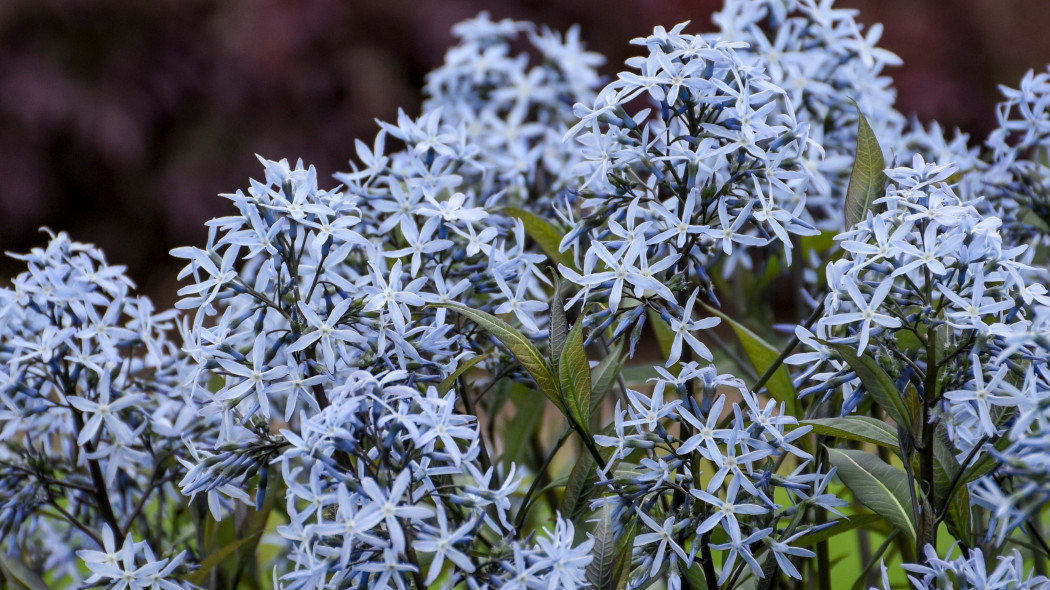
[913,403]
[580,487]
[867,181]
[624,552]
[546,236]
[612,551]
[843,526]
[762,356]
[244,561]
[946,469]
[519,346]
[200,576]
[517,431]
[877,382]
[958,516]
[605,374]
[574,375]
[577,492]
[859,428]
[878,485]
[558,328]
[602,571]
[984,464]
[464,367]
[695,575]
[19,576]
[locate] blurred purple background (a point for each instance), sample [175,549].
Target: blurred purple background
[120,121]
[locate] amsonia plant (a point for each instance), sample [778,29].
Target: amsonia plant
[724,319]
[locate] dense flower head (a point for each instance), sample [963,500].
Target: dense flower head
[1024,116]
[304,295]
[830,68]
[387,472]
[744,440]
[970,571]
[926,261]
[1017,183]
[91,412]
[1020,487]
[515,111]
[929,267]
[709,173]
[314,284]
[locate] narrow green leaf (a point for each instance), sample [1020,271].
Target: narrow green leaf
[855,521]
[517,431]
[605,374]
[876,558]
[958,517]
[980,468]
[580,488]
[16,572]
[574,375]
[877,382]
[254,527]
[913,404]
[867,181]
[946,468]
[575,499]
[762,356]
[878,485]
[519,346]
[559,325]
[927,521]
[448,382]
[696,577]
[770,573]
[860,428]
[601,573]
[624,553]
[546,236]
[199,577]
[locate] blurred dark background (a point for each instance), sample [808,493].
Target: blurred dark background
[121,120]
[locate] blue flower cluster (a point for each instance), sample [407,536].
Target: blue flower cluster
[313,357]
[92,418]
[720,472]
[943,263]
[832,70]
[713,171]
[937,290]
[310,310]
[1017,183]
[385,476]
[829,68]
[970,572]
[516,112]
